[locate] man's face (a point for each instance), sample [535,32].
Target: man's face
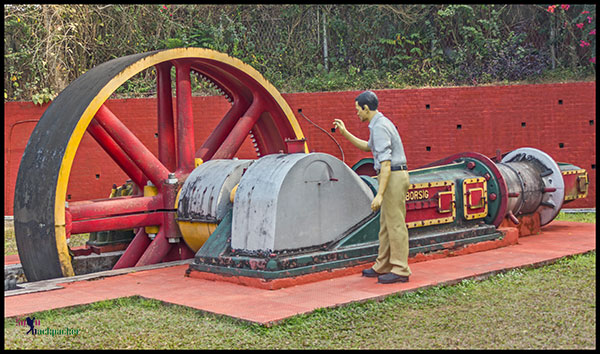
[363,114]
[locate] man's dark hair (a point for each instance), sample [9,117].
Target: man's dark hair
[368,98]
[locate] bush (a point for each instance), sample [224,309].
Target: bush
[375,46]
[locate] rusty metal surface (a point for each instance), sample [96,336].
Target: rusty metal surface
[204,196]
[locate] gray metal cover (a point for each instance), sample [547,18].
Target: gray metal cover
[204,196]
[295,201]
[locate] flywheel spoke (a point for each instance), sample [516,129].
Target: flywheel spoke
[237,94]
[166,125]
[185,119]
[116,153]
[219,134]
[132,146]
[240,131]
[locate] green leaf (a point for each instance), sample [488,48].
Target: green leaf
[416,51]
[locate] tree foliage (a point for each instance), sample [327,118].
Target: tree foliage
[368,46]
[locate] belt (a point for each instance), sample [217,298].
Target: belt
[396,168]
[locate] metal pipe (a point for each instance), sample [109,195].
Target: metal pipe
[113,206]
[122,222]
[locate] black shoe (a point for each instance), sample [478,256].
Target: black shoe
[370,273]
[392,278]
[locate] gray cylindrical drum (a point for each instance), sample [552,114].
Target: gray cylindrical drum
[522,178]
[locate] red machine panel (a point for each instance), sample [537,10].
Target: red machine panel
[430,204]
[576,184]
[475,198]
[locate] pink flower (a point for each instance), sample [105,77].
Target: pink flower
[583,43]
[585,12]
[589,19]
[593,60]
[551,8]
[580,25]
[564,7]
[593,31]
[165,7]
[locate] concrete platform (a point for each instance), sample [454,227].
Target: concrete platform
[267,307]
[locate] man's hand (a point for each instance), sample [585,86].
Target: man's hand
[339,125]
[376,203]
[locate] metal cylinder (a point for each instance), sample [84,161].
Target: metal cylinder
[523,180]
[204,198]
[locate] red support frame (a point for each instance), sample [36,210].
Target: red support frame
[156,251]
[134,250]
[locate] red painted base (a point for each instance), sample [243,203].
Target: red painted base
[266,307]
[528,224]
[511,236]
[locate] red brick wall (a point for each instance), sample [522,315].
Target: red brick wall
[490,118]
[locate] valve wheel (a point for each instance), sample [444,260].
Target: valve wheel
[43,222]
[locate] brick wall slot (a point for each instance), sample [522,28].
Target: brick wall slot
[428,148]
[97,176]
[559,101]
[592,122]
[427,106]
[523,124]
[561,145]
[458,126]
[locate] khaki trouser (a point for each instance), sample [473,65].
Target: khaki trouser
[393,233]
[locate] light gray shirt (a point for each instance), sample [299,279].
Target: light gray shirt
[384,142]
